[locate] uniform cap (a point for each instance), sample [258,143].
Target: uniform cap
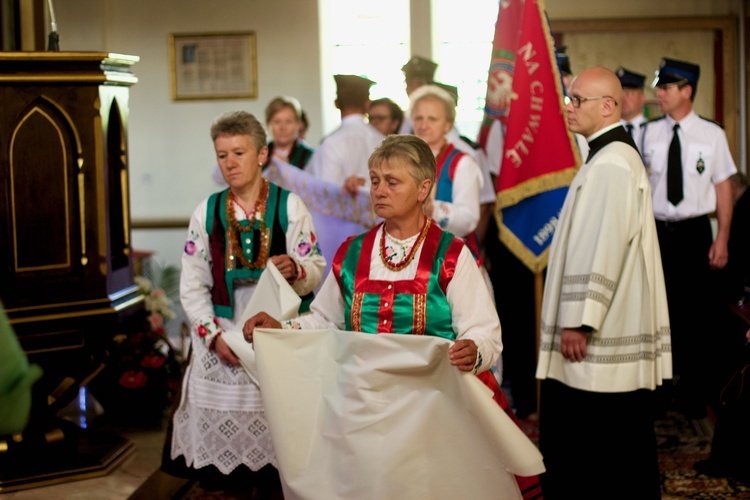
[419,67]
[453,91]
[353,86]
[674,71]
[630,79]
[563,60]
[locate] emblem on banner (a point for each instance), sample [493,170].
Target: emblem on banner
[499,88]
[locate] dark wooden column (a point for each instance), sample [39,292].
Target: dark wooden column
[65,255]
[66,267]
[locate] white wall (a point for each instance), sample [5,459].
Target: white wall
[171,154]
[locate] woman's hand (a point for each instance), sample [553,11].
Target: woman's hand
[463,354]
[224,353]
[286,266]
[260,320]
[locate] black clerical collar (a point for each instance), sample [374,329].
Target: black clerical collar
[616,134]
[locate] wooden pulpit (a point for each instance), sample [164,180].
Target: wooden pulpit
[66,267]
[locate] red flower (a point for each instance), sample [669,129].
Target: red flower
[133,380]
[156,321]
[202,331]
[152,361]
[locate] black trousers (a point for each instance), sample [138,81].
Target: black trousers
[598,445]
[692,302]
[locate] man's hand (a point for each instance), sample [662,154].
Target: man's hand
[352,184]
[573,344]
[224,353]
[463,354]
[718,255]
[260,320]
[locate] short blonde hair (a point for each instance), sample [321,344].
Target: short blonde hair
[411,150]
[426,91]
[240,123]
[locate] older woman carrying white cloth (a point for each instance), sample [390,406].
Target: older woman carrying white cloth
[407,275]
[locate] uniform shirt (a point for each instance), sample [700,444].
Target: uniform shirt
[345,151]
[494,147]
[637,129]
[706,161]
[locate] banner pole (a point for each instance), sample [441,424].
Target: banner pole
[538,290]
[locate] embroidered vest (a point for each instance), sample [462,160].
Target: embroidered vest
[225,268]
[380,306]
[299,155]
[447,162]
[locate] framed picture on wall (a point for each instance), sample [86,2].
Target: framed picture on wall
[213,66]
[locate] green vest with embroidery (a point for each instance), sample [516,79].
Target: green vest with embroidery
[416,306]
[226,268]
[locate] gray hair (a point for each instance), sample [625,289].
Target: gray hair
[410,149]
[239,123]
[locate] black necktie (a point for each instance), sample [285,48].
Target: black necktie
[629,128]
[674,169]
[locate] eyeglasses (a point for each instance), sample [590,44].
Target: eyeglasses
[576,101]
[378,118]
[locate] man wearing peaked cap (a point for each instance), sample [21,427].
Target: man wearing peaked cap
[633,101]
[689,166]
[342,156]
[674,71]
[352,90]
[418,71]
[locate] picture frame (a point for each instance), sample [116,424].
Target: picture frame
[213,65]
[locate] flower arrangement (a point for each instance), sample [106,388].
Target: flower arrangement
[144,370]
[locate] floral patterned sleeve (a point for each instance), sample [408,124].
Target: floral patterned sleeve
[302,246]
[196,280]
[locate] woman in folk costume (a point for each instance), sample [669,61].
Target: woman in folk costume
[408,276]
[284,119]
[456,199]
[220,428]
